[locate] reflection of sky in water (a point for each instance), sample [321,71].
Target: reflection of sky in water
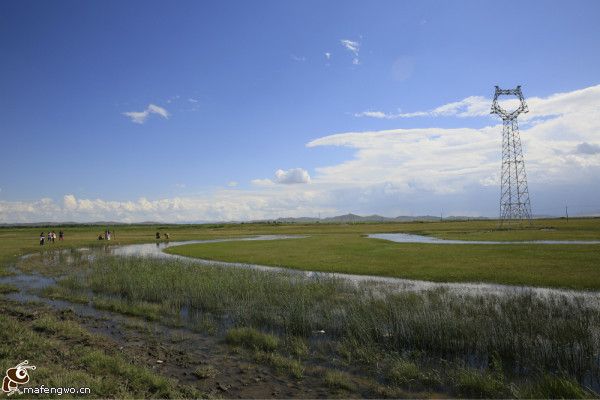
[382,282]
[408,238]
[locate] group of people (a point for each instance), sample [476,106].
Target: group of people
[106,236]
[51,237]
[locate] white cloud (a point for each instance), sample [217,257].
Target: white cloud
[289,177]
[392,172]
[473,106]
[575,102]
[232,183]
[191,100]
[139,117]
[449,160]
[353,47]
[328,55]
[294,175]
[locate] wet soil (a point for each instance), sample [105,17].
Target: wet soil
[177,352]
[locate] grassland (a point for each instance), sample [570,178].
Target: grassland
[564,266]
[326,336]
[431,342]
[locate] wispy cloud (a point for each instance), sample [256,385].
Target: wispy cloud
[139,117]
[392,172]
[473,106]
[297,58]
[328,55]
[353,47]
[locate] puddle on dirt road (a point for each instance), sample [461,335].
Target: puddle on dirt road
[410,238]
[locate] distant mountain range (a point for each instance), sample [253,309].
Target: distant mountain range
[353,218]
[340,219]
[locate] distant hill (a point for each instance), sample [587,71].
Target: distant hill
[353,218]
[339,219]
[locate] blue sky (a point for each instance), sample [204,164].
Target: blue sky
[241,90]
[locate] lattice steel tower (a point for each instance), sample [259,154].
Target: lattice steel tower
[514,194]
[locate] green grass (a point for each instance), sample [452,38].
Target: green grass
[346,257]
[338,380]
[473,384]
[252,339]
[67,355]
[206,372]
[566,266]
[550,334]
[419,341]
[7,288]
[281,363]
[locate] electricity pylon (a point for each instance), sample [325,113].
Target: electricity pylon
[514,194]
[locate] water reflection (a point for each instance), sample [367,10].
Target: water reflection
[410,238]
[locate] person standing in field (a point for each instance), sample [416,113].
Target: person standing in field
[61,235]
[157,235]
[42,239]
[53,236]
[49,237]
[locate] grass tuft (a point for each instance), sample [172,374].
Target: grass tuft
[251,338]
[205,372]
[338,380]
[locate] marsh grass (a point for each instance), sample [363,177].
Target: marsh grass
[7,288]
[281,363]
[67,355]
[338,380]
[252,339]
[494,339]
[206,372]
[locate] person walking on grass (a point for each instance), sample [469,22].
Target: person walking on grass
[42,238]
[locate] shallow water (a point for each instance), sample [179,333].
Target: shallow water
[386,283]
[31,284]
[410,238]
